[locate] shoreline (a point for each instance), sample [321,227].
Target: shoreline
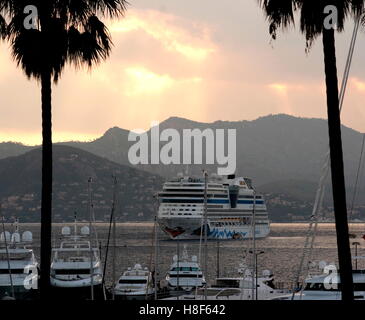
[150,223]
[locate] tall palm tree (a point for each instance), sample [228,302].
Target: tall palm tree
[66,32]
[281,14]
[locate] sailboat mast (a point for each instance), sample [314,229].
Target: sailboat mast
[205,231]
[91,247]
[218,263]
[114,233]
[75,223]
[108,241]
[8,257]
[178,267]
[254,283]
[156,259]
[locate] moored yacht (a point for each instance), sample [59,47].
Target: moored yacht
[328,287]
[18,266]
[238,288]
[76,270]
[185,274]
[135,284]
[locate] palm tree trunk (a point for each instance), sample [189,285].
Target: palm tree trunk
[337,167]
[46,210]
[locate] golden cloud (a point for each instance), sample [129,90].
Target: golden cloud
[163,28]
[143,81]
[279,88]
[359,85]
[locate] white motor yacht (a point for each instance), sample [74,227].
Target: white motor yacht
[76,270]
[18,266]
[185,274]
[135,284]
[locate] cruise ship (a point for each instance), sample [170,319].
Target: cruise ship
[230,208]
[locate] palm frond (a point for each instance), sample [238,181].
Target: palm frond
[279,13]
[90,46]
[282,13]
[3,28]
[111,8]
[27,52]
[70,32]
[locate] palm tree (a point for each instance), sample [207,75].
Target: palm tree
[66,32]
[281,14]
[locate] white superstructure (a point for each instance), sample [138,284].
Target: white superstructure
[230,208]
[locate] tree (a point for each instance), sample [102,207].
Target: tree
[313,18]
[61,32]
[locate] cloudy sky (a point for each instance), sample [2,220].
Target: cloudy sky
[204,60]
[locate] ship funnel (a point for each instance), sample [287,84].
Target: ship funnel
[233,195]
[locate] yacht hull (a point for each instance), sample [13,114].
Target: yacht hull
[77,293]
[139,296]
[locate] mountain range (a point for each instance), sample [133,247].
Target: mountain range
[20,188]
[283,155]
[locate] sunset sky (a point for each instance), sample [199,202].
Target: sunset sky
[202,60]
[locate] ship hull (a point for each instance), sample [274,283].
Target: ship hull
[190,229]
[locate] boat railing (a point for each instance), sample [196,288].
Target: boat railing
[218,292]
[282,285]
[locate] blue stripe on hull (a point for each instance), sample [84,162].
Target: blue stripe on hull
[225,234]
[212,201]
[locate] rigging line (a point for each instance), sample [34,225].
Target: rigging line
[357,177]
[200,250]
[247,249]
[205,231]
[93,216]
[360,186]
[155,271]
[114,232]
[151,258]
[349,62]
[8,257]
[341,99]
[245,255]
[108,240]
[314,232]
[107,246]
[91,248]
